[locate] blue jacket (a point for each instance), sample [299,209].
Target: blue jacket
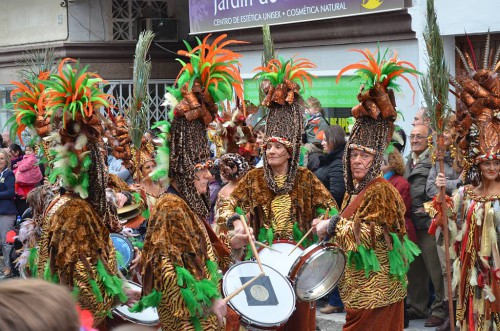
[7,181]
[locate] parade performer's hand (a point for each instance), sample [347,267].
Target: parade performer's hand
[121,199]
[135,187]
[440,180]
[129,232]
[133,295]
[240,238]
[136,263]
[219,309]
[322,227]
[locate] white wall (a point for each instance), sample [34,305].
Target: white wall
[473,16]
[32,21]
[90,20]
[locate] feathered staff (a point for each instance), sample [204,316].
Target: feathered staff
[434,86]
[137,113]
[267,54]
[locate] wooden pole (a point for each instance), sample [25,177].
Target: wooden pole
[442,193]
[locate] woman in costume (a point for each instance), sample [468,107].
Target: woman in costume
[281,197]
[75,248]
[476,276]
[371,226]
[182,255]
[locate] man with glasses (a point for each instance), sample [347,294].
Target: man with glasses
[427,264]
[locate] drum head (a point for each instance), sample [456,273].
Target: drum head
[278,256]
[148,317]
[320,273]
[124,249]
[267,302]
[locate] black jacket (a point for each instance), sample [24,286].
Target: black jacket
[331,173]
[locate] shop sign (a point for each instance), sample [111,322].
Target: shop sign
[220,15]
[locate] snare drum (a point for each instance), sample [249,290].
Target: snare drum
[278,256]
[124,247]
[122,315]
[317,271]
[267,303]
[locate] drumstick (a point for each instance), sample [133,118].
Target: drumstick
[244,286]
[301,240]
[252,244]
[308,232]
[258,243]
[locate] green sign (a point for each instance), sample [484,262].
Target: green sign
[325,89]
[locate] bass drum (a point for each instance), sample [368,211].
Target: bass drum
[264,305]
[278,255]
[317,271]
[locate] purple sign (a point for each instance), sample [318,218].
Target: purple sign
[220,15]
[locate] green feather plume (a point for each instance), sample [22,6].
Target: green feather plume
[31,262]
[96,290]
[297,234]
[151,300]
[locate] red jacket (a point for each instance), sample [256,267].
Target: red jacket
[402,185]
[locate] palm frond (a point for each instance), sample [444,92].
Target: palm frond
[435,83]
[137,113]
[34,62]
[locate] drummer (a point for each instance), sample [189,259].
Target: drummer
[371,230]
[182,255]
[281,197]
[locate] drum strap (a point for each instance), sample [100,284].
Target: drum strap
[221,249]
[354,205]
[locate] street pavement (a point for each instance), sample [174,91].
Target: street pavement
[334,322]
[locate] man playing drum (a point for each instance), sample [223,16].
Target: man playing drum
[371,227]
[182,255]
[281,197]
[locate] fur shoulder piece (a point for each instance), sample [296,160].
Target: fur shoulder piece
[382,204]
[75,232]
[176,232]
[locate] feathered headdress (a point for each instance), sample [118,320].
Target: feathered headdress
[478,121]
[211,76]
[72,99]
[231,134]
[376,112]
[280,81]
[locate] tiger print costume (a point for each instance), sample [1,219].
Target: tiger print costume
[383,207]
[176,238]
[74,241]
[279,213]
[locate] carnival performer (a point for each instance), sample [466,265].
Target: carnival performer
[281,197]
[182,255]
[233,167]
[75,248]
[371,227]
[476,276]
